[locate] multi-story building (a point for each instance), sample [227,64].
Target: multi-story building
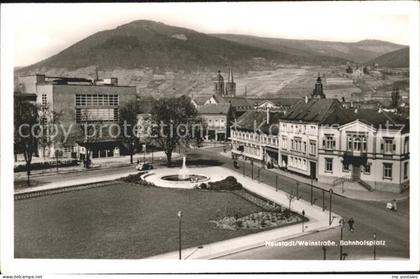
[217,118]
[255,137]
[371,149]
[79,101]
[299,134]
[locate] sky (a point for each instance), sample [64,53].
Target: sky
[42,30]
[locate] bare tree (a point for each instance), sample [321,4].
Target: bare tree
[26,129]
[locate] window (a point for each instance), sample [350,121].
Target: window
[388,145]
[96,100]
[284,142]
[387,171]
[329,142]
[312,147]
[328,164]
[367,169]
[356,142]
[406,145]
[405,170]
[304,146]
[44,99]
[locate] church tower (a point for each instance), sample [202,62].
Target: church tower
[318,91]
[230,85]
[219,85]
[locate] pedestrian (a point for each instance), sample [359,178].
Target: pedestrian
[351,223]
[394,204]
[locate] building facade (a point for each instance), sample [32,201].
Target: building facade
[81,101]
[366,151]
[217,118]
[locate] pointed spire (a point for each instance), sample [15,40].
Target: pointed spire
[230,77]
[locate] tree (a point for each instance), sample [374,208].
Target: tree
[26,130]
[48,121]
[174,120]
[128,123]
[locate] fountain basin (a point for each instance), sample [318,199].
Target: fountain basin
[191,177]
[208,174]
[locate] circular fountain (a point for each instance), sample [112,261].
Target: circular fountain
[173,178]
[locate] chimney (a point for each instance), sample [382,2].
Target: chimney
[306,99]
[268,115]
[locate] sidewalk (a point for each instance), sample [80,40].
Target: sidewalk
[73,182]
[99,163]
[352,194]
[318,221]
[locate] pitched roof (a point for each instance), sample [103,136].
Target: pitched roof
[237,101]
[377,119]
[214,109]
[201,99]
[315,110]
[253,120]
[276,101]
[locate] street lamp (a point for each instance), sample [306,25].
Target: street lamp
[179,233]
[374,246]
[324,252]
[303,220]
[277,181]
[341,238]
[312,191]
[331,193]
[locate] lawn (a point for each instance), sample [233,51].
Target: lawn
[122,220]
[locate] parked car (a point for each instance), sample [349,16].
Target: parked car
[144,166]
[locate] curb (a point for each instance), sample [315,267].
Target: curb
[258,245]
[59,190]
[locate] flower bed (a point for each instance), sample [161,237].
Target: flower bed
[259,220]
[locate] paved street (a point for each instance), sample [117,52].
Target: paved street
[369,216]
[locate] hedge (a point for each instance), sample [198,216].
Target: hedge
[47,165]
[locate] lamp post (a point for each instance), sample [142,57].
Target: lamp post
[277,180]
[179,233]
[144,153]
[151,147]
[341,238]
[374,246]
[312,191]
[259,172]
[331,193]
[324,252]
[303,220]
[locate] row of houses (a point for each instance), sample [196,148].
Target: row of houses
[320,139]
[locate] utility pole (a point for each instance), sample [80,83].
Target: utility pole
[312,191]
[179,234]
[303,220]
[341,239]
[374,246]
[331,193]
